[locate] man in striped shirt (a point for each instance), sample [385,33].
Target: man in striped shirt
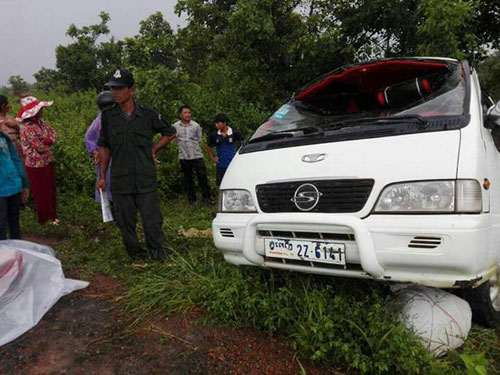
[188,139]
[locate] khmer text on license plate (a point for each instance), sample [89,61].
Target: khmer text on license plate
[313,251]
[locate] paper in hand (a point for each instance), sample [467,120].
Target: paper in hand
[106,208]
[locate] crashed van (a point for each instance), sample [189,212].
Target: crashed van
[385,170]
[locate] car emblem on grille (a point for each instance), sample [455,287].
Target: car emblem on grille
[313,158]
[306,197]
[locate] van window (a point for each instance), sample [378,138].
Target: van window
[385,90]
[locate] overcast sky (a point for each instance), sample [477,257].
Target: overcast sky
[30,30]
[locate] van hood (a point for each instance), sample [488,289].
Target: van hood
[422,156]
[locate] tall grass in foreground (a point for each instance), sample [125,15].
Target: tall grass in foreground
[335,321]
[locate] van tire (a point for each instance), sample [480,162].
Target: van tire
[485,311]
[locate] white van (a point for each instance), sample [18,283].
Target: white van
[384,170]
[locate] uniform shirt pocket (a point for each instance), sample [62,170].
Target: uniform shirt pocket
[117,137]
[142,138]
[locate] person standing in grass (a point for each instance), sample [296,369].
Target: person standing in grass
[104,100]
[225,140]
[37,139]
[13,189]
[127,131]
[188,139]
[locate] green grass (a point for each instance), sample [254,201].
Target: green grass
[331,320]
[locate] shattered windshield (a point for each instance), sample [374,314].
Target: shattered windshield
[386,90]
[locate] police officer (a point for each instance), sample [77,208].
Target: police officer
[127,132]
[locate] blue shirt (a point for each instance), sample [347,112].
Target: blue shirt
[12,176]
[225,146]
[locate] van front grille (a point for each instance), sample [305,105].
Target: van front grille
[337,196]
[326,236]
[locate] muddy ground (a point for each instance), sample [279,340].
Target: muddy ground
[90,332]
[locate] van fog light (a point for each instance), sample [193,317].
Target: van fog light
[431,197]
[236,201]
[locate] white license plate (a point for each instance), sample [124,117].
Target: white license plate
[312,251]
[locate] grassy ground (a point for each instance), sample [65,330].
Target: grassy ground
[334,321]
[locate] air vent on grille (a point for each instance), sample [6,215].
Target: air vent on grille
[422,242]
[336,195]
[307,235]
[226,232]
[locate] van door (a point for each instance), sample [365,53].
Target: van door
[493,172]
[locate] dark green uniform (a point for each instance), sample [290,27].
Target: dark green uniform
[133,175]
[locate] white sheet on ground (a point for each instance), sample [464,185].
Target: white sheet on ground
[441,319]
[31,282]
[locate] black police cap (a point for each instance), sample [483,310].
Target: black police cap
[121,77]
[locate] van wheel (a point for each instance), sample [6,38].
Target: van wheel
[485,301]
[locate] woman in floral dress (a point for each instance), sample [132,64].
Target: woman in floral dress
[37,139]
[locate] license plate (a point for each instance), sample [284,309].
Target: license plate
[312,251]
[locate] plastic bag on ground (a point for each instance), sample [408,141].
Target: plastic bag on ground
[31,282]
[441,319]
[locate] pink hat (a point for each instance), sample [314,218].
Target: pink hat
[30,106]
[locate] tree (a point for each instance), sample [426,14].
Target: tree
[18,85]
[153,47]
[489,75]
[265,48]
[446,28]
[486,25]
[84,64]
[48,80]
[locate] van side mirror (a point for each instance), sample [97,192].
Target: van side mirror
[492,119]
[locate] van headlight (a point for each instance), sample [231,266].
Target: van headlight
[236,201]
[452,196]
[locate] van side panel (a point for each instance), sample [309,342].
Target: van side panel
[491,166]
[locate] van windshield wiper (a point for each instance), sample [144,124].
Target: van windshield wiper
[378,120]
[289,133]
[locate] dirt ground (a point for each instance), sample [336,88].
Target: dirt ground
[89,332]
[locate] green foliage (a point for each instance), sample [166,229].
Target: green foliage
[444,30]
[476,364]
[49,80]
[259,51]
[486,24]
[18,85]
[84,64]
[489,74]
[153,47]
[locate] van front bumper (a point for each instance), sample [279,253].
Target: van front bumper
[435,250]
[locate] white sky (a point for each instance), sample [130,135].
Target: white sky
[30,30]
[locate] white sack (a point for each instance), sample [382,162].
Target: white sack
[31,289]
[441,319]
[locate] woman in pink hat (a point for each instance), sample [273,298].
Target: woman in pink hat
[37,138]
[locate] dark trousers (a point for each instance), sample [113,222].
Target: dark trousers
[125,207]
[219,174]
[198,165]
[10,207]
